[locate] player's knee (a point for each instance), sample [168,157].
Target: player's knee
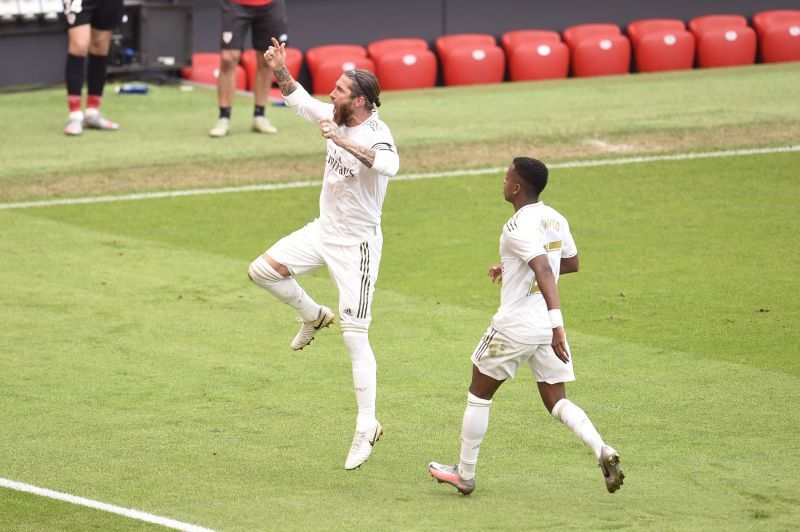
[261,273]
[229,60]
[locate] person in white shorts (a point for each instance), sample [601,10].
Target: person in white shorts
[535,246]
[361,157]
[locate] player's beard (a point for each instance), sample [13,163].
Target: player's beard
[342,114]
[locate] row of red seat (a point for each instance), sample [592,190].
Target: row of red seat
[586,50]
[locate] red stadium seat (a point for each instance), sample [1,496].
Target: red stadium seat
[731,46]
[639,28]
[779,35]
[573,34]
[325,74]
[539,60]
[206,58]
[601,56]
[764,20]
[294,61]
[406,69]
[474,64]
[512,39]
[318,54]
[664,50]
[378,48]
[446,43]
[723,40]
[781,43]
[699,25]
[205,70]
[535,54]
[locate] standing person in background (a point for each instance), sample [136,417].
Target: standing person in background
[360,159]
[90,23]
[535,246]
[266,18]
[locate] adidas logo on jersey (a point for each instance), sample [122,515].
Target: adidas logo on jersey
[347,311]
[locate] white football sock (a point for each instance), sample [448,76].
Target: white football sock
[578,422]
[365,376]
[285,289]
[473,429]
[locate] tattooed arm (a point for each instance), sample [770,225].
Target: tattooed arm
[275,57]
[383,160]
[330,131]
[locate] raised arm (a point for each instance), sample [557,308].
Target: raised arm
[275,57]
[294,94]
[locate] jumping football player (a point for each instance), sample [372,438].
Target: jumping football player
[361,157]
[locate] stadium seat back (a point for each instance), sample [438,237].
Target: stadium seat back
[406,69]
[512,39]
[206,58]
[700,25]
[726,47]
[546,59]
[318,54]
[474,64]
[766,19]
[377,49]
[639,28]
[780,43]
[446,43]
[664,50]
[601,56]
[573,34]
[326,73]
[208,73]
[294,62]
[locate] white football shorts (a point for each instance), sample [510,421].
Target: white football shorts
[499,357]
[353,268]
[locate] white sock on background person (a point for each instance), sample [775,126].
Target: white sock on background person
[578,422]
[365,376]
[473,429]
[286,289]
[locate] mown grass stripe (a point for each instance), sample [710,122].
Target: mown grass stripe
[406,177]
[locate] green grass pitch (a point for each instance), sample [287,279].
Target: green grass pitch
[139,367]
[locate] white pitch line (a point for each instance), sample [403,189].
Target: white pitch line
[102,506]
[406,177]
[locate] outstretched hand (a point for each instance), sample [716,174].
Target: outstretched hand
[275,56]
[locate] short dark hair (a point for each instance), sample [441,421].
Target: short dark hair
[365,84]
[533,172]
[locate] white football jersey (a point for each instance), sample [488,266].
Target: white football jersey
[533,230]
[352,195]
